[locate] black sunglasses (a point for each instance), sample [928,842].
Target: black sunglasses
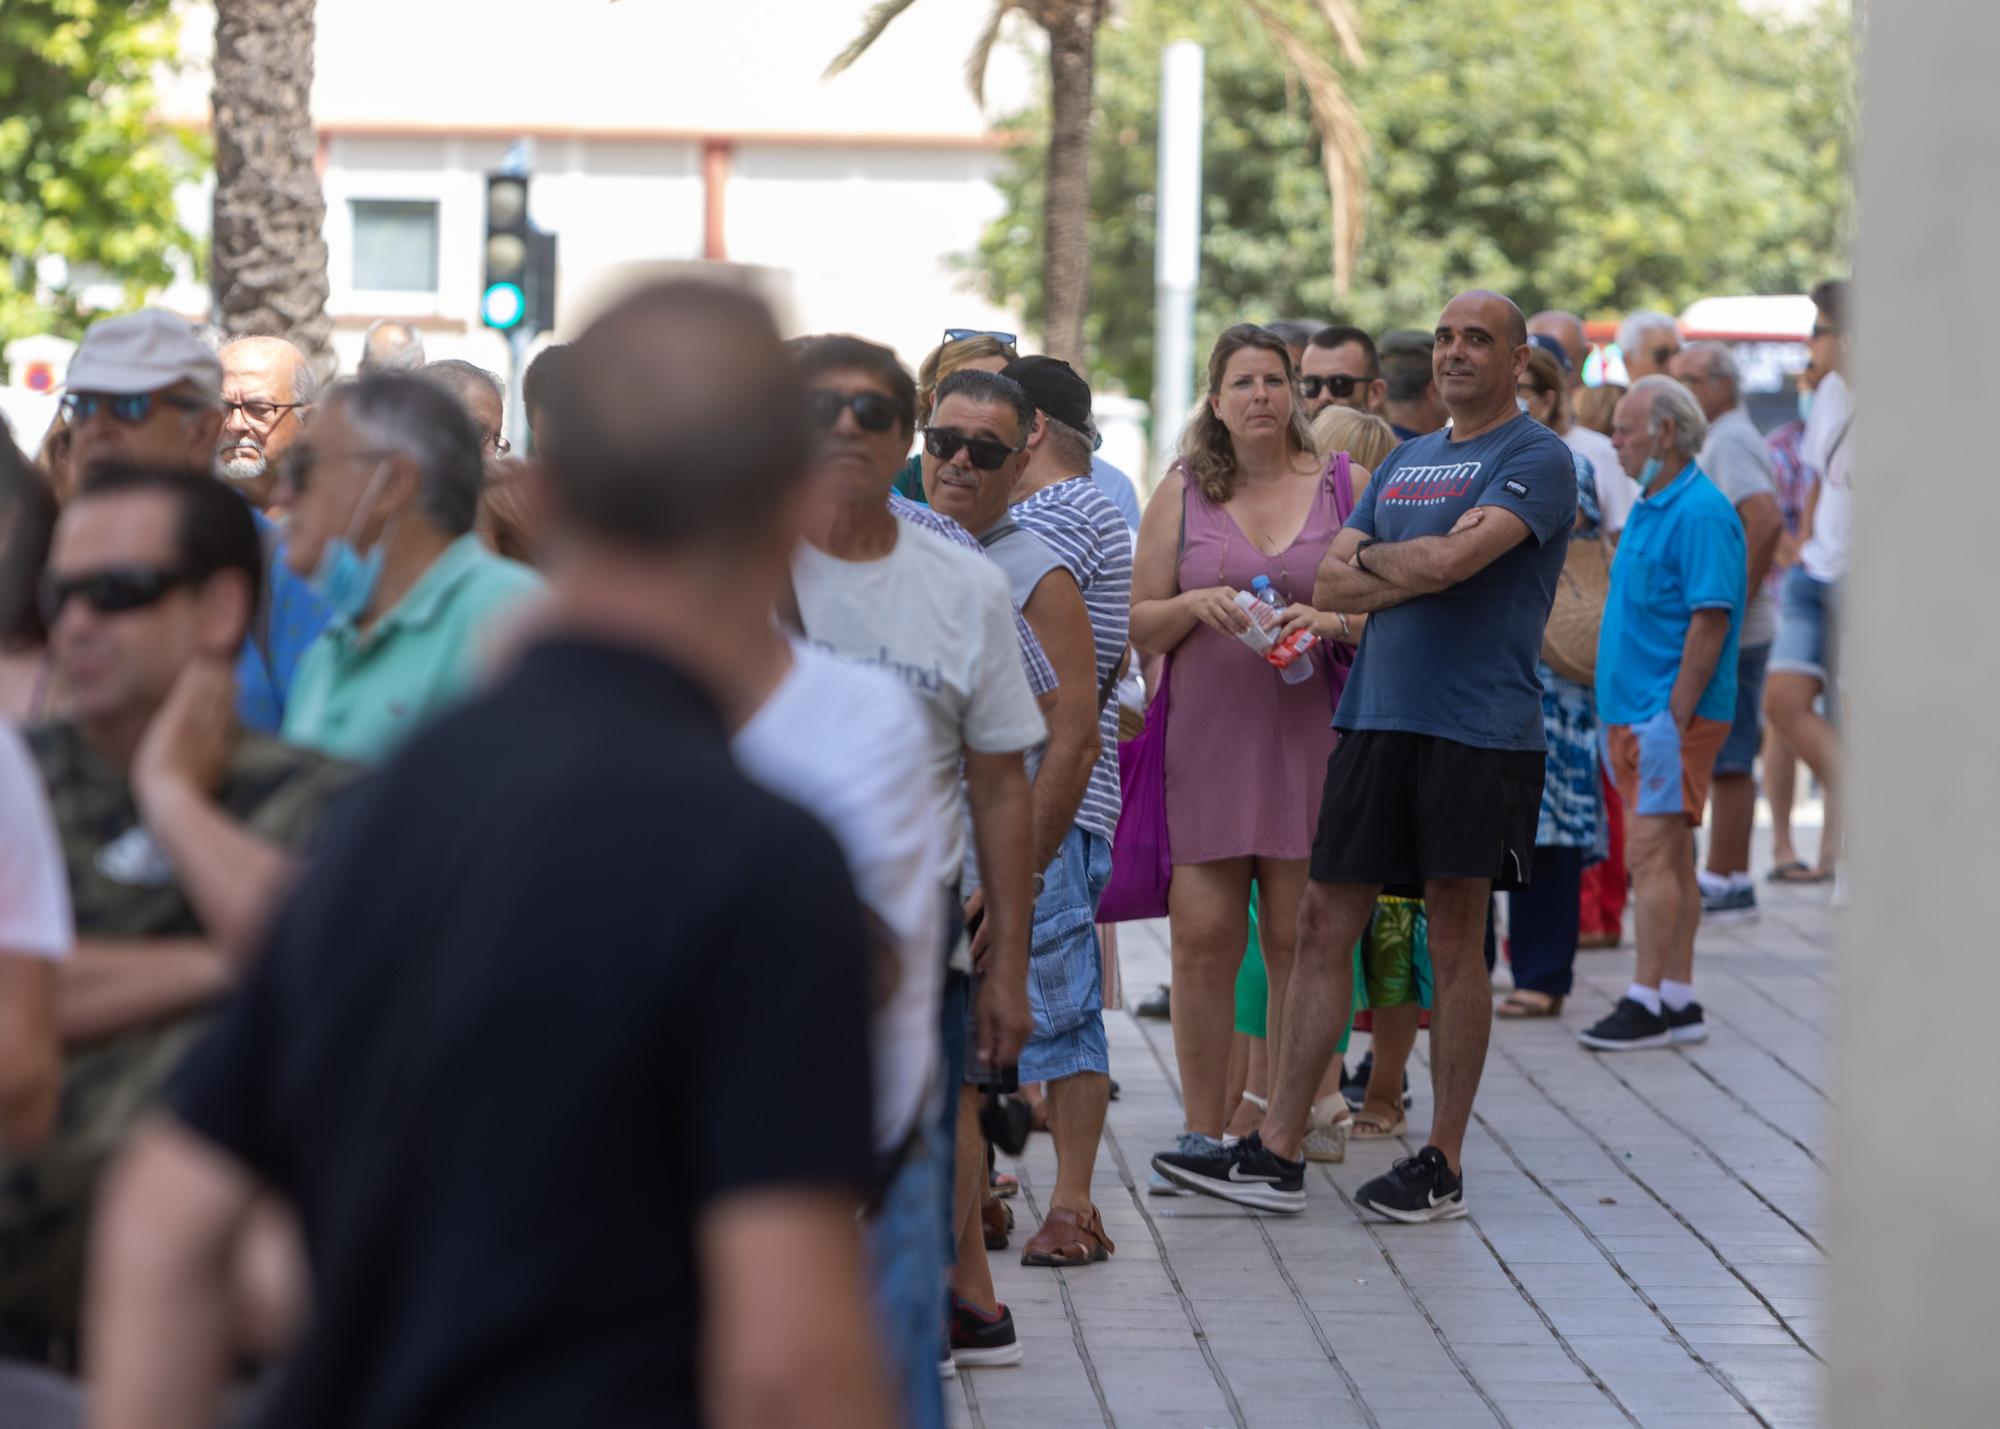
[112,591]
[986,454]
[872,411]
[1340,386]
[960,334]
[1822,331]
[131,408]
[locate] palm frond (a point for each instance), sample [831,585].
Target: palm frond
[879,19]
[1344,20]
[982,49]
[1343,141]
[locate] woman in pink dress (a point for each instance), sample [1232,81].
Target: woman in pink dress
[1246,753]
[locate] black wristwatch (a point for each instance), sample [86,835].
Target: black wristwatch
[1366,542]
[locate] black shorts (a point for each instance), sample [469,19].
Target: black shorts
[1402,808]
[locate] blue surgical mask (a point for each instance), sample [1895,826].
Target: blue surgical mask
[1649,473]
[1805,404]
[345,579]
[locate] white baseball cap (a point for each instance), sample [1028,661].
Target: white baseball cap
[147,351]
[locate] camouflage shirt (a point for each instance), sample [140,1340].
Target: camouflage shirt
[122,886]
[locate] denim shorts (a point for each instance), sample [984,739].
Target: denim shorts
[1065,973]
[1746,733]
[1808,611]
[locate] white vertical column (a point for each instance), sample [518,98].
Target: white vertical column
[1177,243]
[1916,1242]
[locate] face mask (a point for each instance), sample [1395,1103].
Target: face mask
[345,579]
[1520,402]
[1805,404]
[1649,473]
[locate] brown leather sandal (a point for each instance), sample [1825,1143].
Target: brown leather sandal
[1068,1239]
[1522,1005]
[996,1218]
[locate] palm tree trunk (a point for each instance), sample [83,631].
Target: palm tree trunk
[267,265]
[1072,29]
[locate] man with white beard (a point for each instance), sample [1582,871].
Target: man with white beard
[268,390]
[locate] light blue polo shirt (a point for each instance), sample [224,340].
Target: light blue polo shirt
[1682,551]
[360,696]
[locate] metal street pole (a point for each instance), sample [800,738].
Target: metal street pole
[1177,242]
[520,162]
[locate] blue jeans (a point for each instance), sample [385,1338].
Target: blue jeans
[1746,733]
[1543,921]
[1065,966]
[908,1273]
[1808,613]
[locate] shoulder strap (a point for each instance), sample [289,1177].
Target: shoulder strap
[1343,486]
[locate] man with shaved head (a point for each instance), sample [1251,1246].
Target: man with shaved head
[518,1045]
[1435,787]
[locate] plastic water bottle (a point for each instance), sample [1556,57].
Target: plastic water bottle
[1293,655]
[1259,636]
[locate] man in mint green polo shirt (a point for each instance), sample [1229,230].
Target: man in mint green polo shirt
[381,523]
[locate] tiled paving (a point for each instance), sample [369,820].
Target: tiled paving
[1646,1243]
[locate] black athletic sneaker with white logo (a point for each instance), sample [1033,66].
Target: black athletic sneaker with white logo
[1417,1189]
[1686,1025]
[1629,1028]
[980,1339]
[1242,1171]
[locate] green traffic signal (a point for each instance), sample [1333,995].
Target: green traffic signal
[503,306]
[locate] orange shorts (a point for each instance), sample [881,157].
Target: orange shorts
[1659,769]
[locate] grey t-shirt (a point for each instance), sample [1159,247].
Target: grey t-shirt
[1738,462]
[1460,663]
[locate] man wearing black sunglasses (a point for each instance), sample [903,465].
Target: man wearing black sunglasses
[975,452]
[1649,342]
[1341,368]
[175,828]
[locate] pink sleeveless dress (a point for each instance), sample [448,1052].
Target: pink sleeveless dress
[1246,752]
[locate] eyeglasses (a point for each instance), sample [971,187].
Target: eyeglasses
[960,334]
[131,408]
[944,443]
[1822,331]
[1529,390]
[112,591]
[261,414]
[1342,386]
[873,412]
[1663,355]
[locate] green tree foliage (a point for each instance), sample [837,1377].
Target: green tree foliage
[1569,153]
[86,175]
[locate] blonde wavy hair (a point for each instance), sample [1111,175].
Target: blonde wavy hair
[947,358]
[1365,437]
[1207,453]
[1594,405]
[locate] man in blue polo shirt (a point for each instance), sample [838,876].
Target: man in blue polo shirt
[1666,693]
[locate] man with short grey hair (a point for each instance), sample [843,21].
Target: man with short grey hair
[1648,341]
[1737,461]
[1666,695]
[481,393]
[390,346]
[388,486]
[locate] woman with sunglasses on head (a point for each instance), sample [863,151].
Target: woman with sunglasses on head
[1245,751]
[962,349]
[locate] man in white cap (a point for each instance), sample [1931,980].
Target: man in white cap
[144,389]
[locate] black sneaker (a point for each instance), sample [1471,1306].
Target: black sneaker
[981,1339]
[1730,908]
[1243,1172]
[1629,1028]
[1418,1188]
[1687,1025]
[1158,1007]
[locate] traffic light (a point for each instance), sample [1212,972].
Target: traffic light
[520,287]
[503,301]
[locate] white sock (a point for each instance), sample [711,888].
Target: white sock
[1646,997]
[1739,881]
[1713,885]
[1676,995]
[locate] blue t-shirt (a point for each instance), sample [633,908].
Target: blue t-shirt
[1682,551]
[290,621]
[1460,663]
